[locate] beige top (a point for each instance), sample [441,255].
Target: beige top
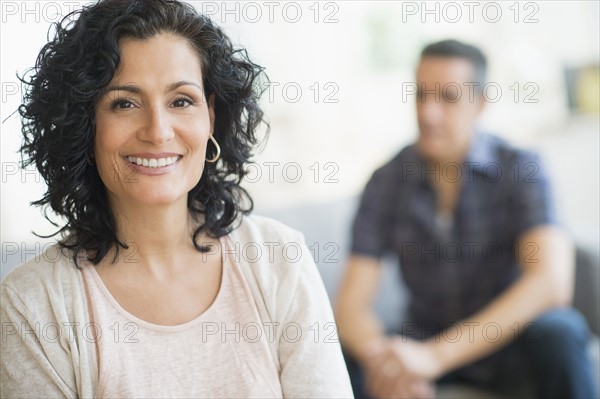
[49,348]
[223,353]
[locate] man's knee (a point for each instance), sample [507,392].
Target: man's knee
[555,348]
[556,331]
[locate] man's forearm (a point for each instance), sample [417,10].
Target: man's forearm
[358,328]
[545,284]
[357,323]
[494,326]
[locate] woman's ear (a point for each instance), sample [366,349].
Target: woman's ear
[211,112]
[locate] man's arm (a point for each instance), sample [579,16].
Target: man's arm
[362,334]
[357,323]
[546,257]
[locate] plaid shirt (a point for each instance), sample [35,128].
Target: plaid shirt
[453,267]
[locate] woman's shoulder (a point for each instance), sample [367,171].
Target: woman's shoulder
[255,227]
[52,273]
[276,263]
[274,256]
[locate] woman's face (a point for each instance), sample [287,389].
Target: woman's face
[153,124]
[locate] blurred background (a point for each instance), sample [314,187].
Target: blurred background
[338,108]
[338,103]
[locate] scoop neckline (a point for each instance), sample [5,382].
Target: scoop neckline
[161,327]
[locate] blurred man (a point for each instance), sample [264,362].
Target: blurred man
[489,271]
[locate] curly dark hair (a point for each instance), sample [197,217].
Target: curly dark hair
[72,73]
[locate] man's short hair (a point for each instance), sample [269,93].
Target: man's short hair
[454,48]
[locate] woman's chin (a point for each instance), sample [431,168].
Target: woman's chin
[154,197]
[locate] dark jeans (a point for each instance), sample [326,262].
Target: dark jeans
[548,359]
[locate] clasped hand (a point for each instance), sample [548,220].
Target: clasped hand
[399,367]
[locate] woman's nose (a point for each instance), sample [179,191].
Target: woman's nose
[157,127]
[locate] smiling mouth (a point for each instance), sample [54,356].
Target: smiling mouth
[153,162]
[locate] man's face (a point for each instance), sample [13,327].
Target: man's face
[447,107]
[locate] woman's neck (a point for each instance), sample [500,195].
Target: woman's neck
[158,236]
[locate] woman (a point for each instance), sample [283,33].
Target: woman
[140,117]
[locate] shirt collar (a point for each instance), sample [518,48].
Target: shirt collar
[480,153]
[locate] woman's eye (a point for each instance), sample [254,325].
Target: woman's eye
[126,104]
[122,104]
[182,102]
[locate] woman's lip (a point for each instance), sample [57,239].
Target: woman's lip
[149,155]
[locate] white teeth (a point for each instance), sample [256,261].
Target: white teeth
[152,162]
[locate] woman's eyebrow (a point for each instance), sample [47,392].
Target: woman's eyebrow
[174,86]
[129,87]
[132,88]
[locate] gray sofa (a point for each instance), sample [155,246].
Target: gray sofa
[326,229]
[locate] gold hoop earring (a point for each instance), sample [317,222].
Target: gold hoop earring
[218,154]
